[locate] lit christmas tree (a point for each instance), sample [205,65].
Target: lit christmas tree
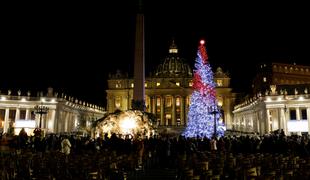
[204,114]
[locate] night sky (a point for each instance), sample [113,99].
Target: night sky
[73,47]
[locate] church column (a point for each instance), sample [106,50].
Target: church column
[27,114]
[43,122]
[17,114]
[182,105]
[153,105]
[268,121]
[128,100]
[62,120]
[297,113]
[308,118]
[162,110]
[6,120]
[69,122]
[283,119]
[298,117]
[173,111]
[279,119]
[59,121]
[227,112]
[186,109]
[287,118]
[51,126]
[72,122]
[257,122]
[111,104]
[66,121]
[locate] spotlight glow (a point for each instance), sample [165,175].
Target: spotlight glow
[127,125]
[133,123]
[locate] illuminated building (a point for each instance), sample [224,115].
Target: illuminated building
[281,101]
[167,92]
[280,74]
[65,113]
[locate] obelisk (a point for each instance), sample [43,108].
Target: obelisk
[139,69]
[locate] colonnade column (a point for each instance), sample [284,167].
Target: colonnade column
[173,112]
[308,118]
[27,114]
[297,113]
[6,120]
[66,121]
[153,105]
[162,111]
[183,120]
[17,114]
[268,121]
[283,120]
[52,124]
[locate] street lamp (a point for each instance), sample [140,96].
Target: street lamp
[40,109]
[215,109]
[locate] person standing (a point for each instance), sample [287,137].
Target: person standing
[213,144]
[65,146]
[23,138]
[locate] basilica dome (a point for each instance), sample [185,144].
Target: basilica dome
[173,65]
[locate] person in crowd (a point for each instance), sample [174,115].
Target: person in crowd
[65,146]
[23,138]
[213,144]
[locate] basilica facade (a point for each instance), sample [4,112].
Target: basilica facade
[168,91]
[48,111]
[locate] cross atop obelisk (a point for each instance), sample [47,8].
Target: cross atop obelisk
[139,69]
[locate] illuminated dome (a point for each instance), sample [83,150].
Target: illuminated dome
[173,65]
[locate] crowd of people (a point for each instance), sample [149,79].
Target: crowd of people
[160,151]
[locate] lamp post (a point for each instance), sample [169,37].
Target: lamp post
[215,109]
[40,109]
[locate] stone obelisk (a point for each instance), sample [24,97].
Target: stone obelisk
[139,69]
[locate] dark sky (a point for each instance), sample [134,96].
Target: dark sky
[73,47]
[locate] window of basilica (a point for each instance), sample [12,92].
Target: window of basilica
[177,101]
[158,101]
[168,101]
[219,82]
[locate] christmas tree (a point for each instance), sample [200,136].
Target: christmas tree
[204,114]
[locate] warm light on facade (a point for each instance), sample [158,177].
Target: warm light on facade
[158,101]
[177,101]
[220,103]
[301,98]
[158,84]
[177,83]
[219,82]
[174,50]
